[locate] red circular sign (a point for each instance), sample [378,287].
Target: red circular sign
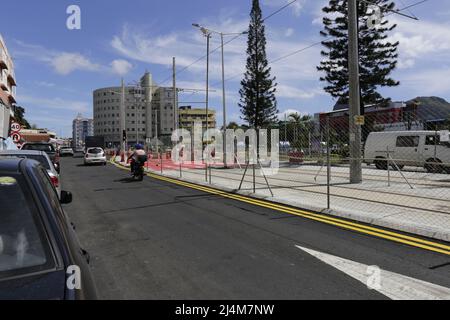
[15,127]
[16,137]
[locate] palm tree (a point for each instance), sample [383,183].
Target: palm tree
[302,126]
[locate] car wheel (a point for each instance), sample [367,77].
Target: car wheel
[433,167]
[381,164]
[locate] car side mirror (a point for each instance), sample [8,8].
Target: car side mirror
[66,197]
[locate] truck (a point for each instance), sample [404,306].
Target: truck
[423,149]
[94,141]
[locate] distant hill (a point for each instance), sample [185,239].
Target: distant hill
[431,108]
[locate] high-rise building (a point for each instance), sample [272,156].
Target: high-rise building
[81,128]
[148,112]
[7,89]
[188,116]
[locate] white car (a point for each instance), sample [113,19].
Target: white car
[43,159]
[66,151]
[95,156]
[408,148]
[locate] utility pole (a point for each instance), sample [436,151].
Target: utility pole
[208,37]
[122,117]
[136,115]
[224,140]
[354,89]
[175,96]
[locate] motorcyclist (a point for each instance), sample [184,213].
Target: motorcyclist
[138,158]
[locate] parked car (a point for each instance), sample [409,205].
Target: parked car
[296,156]
[43,159]
[48,148]
[66,151]
[95,156]
[408,148]
[39,250]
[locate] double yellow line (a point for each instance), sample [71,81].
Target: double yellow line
[357,227]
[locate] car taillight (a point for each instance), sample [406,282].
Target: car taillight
[55,181]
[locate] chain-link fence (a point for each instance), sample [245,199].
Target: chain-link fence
[405,167]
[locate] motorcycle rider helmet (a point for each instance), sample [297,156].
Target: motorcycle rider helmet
[139,147]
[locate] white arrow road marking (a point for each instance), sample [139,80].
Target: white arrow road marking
[393,285]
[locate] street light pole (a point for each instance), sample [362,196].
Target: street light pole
[208,37]
[354,90]
[224,140]
[207,32]
[122,117]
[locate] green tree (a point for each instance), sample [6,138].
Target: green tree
[233,125]
[301,128]
[378,56]
[258,103]
[19,117]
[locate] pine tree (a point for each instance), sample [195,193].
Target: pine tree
[258,103]
[378,56]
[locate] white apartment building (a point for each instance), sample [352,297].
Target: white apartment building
[148,113]
[81,128]
[7,89]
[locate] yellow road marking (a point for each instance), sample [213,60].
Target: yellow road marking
[380,233]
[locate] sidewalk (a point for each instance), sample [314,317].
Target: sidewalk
[424,210]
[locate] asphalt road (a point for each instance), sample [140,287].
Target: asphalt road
[157,240]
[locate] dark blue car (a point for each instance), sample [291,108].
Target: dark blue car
[40,255]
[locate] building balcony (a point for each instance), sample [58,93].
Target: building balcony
[3,64]
[11,80]
[11,99]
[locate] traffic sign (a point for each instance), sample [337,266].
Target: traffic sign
[15,127]
[360,120]
[16,137]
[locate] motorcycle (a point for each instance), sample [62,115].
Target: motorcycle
[137,170]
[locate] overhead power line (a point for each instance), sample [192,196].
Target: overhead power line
[227,42]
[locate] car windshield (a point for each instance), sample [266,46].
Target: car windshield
[95,151]
[41,159]
[39,147]
[21,244]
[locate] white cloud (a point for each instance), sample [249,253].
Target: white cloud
[55,103]
[286,113]
[65,63]
[287,91]
[421,40]
[45,84]
[289,32]
[121,67]
[296,7]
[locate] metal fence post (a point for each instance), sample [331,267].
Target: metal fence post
[161,160]
[210,174]
[328,165]
[388,166]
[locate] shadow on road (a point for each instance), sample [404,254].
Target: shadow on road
[127,180]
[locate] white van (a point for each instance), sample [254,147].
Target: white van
[408,148]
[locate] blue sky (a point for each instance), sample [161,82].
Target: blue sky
[57,69]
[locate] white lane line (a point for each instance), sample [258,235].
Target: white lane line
[393,285]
